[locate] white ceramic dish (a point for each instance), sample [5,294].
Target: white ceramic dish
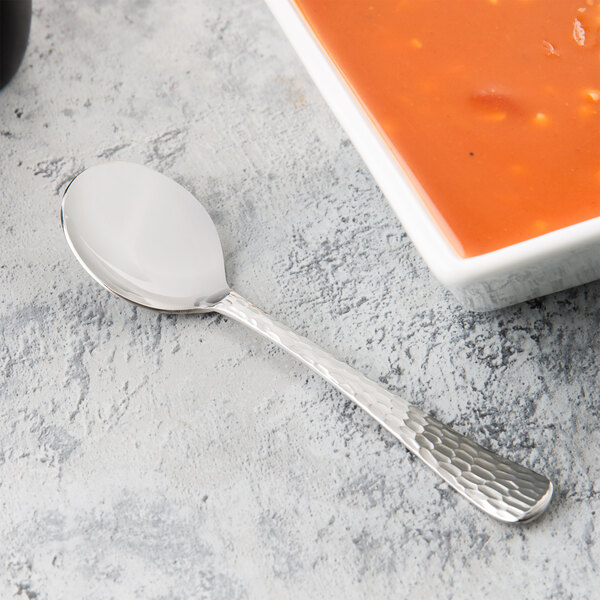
[536,267]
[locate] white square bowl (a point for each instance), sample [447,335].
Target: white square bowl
[535,267]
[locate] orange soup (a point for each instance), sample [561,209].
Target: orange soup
[492,106]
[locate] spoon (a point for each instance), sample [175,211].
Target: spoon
[148,240]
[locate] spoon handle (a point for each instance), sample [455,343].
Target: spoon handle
[503,489]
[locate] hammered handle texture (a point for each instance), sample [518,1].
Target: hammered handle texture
[503,489]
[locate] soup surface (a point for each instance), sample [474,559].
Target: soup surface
[492,106]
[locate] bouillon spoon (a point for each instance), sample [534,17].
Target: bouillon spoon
[148,240]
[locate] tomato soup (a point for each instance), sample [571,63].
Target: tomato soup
[491,106]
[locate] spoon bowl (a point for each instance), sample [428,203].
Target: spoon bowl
[145,238]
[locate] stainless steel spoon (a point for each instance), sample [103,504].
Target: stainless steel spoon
[145,238]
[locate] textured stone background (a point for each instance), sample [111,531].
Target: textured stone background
[151,456]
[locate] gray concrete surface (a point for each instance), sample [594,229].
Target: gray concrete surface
[152,456]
